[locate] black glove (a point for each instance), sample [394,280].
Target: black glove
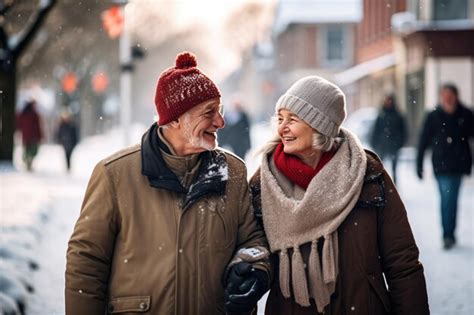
[245,286]
[419,172]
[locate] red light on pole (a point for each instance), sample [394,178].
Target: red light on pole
[69,82]
[100,82]
[113,21]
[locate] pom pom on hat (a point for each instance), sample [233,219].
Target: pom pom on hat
[182,87]
[186,60]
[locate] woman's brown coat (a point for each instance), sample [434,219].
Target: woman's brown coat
[375,241]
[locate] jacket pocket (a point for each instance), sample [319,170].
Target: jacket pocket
[136,304]
[381,292]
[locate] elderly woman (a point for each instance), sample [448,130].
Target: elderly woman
[333,218]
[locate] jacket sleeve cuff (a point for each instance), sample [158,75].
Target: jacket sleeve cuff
[253,255]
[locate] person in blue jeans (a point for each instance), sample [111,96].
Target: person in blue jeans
[447,130]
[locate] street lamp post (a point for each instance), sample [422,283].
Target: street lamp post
[116,23]
[125,79]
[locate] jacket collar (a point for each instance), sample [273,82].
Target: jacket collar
[374,166]
[184,167]
[211,179]
[153,164]
[373,192]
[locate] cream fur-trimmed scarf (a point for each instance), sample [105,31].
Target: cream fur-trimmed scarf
[290,223]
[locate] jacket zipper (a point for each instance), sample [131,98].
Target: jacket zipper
[177,253]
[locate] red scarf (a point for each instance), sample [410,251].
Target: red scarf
[296,170]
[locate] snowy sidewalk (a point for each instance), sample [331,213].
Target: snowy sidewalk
[55,197]
[38,211]
[449,274]
[66,194]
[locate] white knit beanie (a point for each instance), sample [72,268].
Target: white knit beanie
[318,102]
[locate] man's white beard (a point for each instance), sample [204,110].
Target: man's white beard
[199,142]
[196,142]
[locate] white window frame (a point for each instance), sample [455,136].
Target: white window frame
[322,48]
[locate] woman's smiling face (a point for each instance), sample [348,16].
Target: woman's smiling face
[296,135]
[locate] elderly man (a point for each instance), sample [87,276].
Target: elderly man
[166,226]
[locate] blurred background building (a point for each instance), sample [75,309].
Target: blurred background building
[255,49]
[410,48]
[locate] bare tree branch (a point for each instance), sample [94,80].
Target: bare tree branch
[27,35]
[5,6]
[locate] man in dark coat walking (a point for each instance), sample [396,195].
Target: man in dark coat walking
[389,133]
[237,132]
[67,136]
[447,130]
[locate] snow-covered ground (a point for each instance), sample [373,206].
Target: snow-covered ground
[38,211]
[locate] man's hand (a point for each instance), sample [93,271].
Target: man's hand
[245,286]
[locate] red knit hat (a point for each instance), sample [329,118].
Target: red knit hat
[182,87]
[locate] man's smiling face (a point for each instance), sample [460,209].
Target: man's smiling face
[200,124]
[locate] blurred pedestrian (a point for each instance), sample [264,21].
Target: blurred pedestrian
[389,133]
[29,124]
[335,223]
[67,136]
[166,226]
[236,133]
[447,131]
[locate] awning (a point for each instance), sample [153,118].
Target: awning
[361,70]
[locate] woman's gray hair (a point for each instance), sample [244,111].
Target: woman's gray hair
[325,143]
